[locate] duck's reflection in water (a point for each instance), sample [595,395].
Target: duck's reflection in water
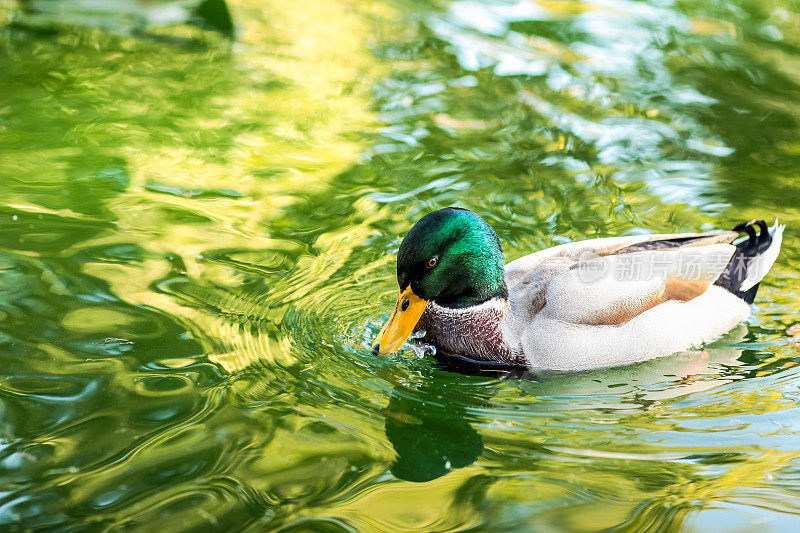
[430,426]
[431,436]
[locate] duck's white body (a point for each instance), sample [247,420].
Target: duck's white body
[610,301]
[550,342]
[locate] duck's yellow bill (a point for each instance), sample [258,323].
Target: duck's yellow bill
[406,314]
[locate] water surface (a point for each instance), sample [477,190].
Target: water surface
[198,241]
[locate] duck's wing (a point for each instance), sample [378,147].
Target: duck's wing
[613,289]
[612,280]
[610,245]
[529,278]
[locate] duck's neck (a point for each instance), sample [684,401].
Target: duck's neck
[475,332]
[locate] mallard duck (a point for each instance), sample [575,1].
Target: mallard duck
[581,305]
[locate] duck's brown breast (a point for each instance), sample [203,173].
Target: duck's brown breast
[473,332]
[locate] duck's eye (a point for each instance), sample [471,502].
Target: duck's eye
[432,262]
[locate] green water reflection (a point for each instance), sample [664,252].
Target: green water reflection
[197,249]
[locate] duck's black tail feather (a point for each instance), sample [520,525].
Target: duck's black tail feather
[752,259]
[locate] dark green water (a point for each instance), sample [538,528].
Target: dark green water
[196,248]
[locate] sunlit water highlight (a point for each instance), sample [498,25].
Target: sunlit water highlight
[197,251]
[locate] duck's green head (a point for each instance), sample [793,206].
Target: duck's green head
[451,257]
